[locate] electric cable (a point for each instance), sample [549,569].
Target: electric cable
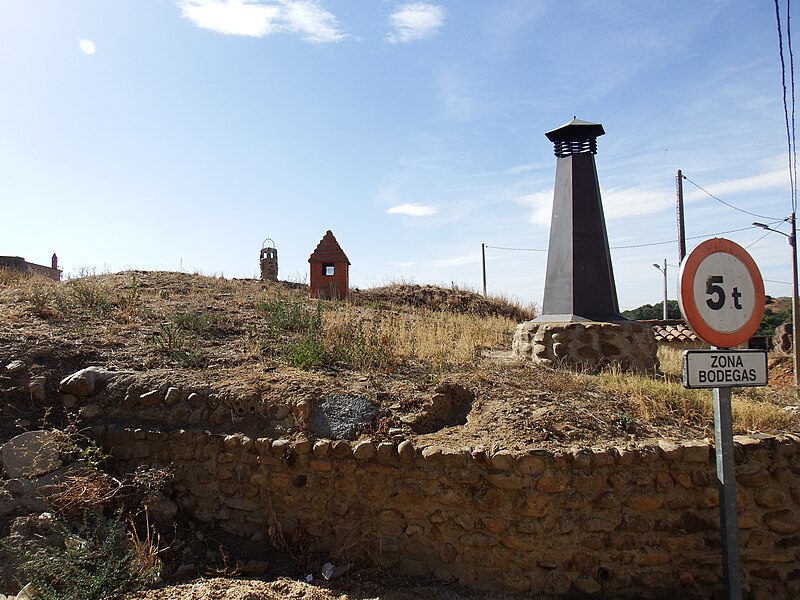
[789,144]
[728,204]
[694,237]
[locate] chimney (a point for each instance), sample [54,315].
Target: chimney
[579,285]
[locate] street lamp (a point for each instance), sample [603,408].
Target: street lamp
[664,271]
[791,237]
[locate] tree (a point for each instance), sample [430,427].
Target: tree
[648,312]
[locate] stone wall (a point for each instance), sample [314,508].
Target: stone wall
[17,263]
[616,522]
[589,345]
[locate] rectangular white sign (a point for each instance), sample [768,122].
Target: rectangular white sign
[724,368]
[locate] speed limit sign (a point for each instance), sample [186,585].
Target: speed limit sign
[721,293]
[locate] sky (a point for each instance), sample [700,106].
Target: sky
[179,135]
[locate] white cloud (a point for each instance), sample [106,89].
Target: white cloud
[458,260]
[259,18]
[415,21]
[541,204]
[617,202]
[412,210]
[636,201]
[87,46]
[775,179]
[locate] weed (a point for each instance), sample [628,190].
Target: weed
[193,358]
[197,321]
[41,297]
[358,344]
[169,338]
[10,276]
[130,297]
[89,294]
[147,549]
[307,353]
[289,316]
[96,564]
[93,455]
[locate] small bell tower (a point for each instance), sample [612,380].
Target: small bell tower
[269,261]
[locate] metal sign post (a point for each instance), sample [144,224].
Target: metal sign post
[721,295]
[726,486]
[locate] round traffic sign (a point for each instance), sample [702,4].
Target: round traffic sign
[721,293]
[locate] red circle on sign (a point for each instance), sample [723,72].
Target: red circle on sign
[688,302]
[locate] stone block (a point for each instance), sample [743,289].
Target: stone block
[406,451]
[670,451]
[535,506]
[172,397]
[604,458]
[551,483]
[643,502]
[341,449]
[151,398]
[320,466]
[696,451]
[513,581]
[770,497]
[386,451]
[530,465]
[502,460]
[505,482]
[783,522]
[32,453]
[364,450]
[321,448]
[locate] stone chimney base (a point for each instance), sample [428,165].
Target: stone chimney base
[588,346]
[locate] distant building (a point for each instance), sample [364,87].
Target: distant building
[330,270]
[19,264]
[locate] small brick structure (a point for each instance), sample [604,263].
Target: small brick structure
[17,263]
[330,270]
[268,261]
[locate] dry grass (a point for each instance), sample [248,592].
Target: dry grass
[440,339]
[665,400]
[147,548]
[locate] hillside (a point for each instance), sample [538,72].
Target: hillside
[393,346]
[423,363]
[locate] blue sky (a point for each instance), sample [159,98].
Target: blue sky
[179,134]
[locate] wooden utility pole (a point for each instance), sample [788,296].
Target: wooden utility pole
[681,226]
[795,307]
[483,261]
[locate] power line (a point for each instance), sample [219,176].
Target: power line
[517,249]
[789,135]
[728,204]
[758,240]
[791,74]
[695,237]
[767,232]
[774,281]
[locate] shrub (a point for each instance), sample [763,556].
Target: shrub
[197,321]
[307,353]
[90,294]
[169,338]
[97,563]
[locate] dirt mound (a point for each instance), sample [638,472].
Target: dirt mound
[452,299]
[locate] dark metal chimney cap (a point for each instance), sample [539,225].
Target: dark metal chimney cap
[575,130]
